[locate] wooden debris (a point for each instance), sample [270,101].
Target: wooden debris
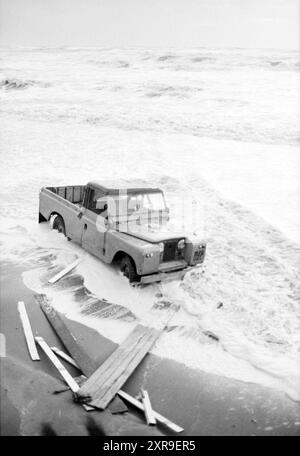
[105,383]
[59,366]
[65,271]
[108,379]
[2,346]
[78,354]
[136,403]
[150,418]
[28,332]
[160,418]
[79,380]
[64,356]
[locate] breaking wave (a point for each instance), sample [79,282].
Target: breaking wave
[230,94]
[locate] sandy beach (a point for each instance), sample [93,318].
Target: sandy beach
[193,399]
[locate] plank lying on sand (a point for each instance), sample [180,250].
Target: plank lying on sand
[136,403]
[150,418]
[28,332]
[59,366]
[81,357]
[64,356]
[86,364]
[65,271]
[108,379]
[160,418]
[72,384]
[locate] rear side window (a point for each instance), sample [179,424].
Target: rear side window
[77,195]
[69,196]
[61,191]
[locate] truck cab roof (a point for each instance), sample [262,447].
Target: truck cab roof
[113,187]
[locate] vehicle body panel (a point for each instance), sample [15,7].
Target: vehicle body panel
[109,238]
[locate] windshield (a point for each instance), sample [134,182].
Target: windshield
[119,205]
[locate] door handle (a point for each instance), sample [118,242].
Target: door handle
[79,215]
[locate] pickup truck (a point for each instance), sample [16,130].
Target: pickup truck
[122,225]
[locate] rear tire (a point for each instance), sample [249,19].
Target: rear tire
[127,267]
[59,225]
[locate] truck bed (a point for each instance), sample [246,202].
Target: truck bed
[65,201]
[71,193]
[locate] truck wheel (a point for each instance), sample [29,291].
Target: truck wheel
[59,225]
[128,268]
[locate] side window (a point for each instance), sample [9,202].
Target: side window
[91,200]
[96,202]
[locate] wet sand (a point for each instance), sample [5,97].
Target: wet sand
[204,404]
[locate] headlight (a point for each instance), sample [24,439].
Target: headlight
[181,244]
[161,246]
[149,255]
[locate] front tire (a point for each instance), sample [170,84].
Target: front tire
[59,225]
[127,267]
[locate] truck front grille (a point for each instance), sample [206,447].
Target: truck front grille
[171,252]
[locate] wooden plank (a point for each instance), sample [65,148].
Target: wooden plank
[28,332]
[160,418]
[86,364]
[135,336]
[64,356]
[65,271]
[114,362]
[129,364]
[81,357]
[108,379]
[133,401]
[59,366]
[62,370]
[150,418]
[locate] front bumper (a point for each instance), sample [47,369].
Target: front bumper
[165,276]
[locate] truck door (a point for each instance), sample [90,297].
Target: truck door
[77,196]
[94,223]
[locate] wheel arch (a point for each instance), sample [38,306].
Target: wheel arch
[121,254]
[55,213]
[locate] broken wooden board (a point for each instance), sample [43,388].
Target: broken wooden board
[108,379]
[133,401]
[160,418]
[65,271]
[150,418]
[64,356]
[79,355]
[59,366]
[28,332]
[72,384]
[86,364]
